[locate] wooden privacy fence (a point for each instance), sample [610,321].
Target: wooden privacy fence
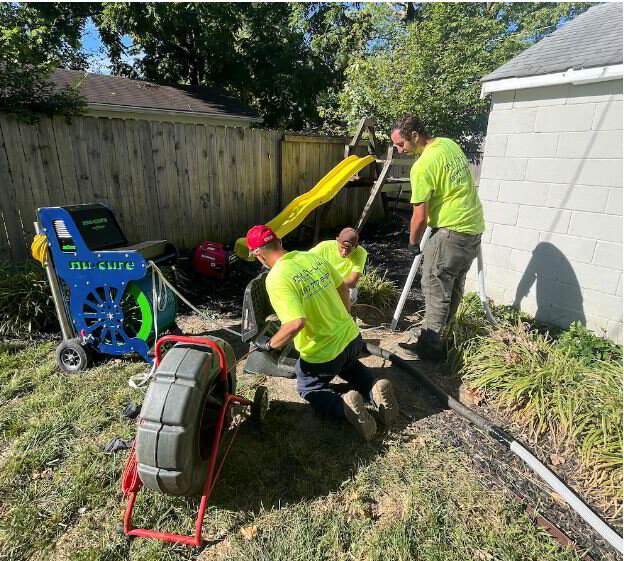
[181,182]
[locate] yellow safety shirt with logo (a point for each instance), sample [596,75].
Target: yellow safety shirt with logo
[441,177]
[302,285]
[352,263]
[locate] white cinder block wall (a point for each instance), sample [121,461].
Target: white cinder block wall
[551,188]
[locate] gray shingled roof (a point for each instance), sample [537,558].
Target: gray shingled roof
[592,39]
[127,93]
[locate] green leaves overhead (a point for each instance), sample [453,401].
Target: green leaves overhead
[434,65]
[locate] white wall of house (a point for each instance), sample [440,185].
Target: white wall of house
[551,188]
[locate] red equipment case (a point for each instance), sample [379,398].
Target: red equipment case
[213,260]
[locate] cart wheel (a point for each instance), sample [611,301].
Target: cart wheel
[71,356]
[260,404]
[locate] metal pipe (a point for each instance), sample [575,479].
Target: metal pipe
[482,295]
[409,281]
[509,442]
[66,328]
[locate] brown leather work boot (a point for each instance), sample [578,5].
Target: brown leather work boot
[356,413]
[385,400]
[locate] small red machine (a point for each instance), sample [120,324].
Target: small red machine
[213,260]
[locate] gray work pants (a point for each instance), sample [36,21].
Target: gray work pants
[447,257]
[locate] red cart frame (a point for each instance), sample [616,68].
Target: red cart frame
[132,490]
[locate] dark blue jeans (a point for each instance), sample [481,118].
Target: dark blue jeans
[313,379]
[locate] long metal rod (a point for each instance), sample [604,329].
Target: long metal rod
[57,297]
[409,281]
[482,295]
[412,274]
[509,442]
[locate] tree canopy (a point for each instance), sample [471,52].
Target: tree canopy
[431,64]
[34,39]
[309,65]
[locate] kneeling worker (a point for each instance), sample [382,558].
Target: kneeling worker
[346,256]
[311,302]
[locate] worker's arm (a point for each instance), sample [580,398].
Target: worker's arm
[352,280]
[418,224]
[344,295]
[286,333]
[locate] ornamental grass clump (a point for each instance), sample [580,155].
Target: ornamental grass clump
[375,289]
[548,390]
[26,303]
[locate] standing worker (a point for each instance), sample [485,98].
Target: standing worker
[444,191]
[311,302]
[346,256]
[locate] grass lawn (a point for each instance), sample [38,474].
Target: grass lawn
[299,488]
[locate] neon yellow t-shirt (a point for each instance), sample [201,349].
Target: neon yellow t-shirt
[352,263]
[303,285]
[442,177]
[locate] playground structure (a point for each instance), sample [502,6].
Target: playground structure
[323,192]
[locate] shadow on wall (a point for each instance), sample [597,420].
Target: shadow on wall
[557,291]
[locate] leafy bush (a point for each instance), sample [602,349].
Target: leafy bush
[377,290]
[569,388]
[587,347]
[26,303]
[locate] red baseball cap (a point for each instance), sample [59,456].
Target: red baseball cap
[259,236]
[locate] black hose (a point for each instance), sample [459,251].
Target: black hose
[490,428]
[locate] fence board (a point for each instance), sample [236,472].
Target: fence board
[172,199]
[183,182]
[21,181]
[191,163]
[139,202]
[9,208]
[94,154]
[63,142]
[111,172]
[162,187]
[203,183]
[34,165]
[149,216]
[223,173]
[214,200]
[125,177]
[50,162]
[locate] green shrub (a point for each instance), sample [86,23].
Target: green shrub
[587,347]
[377,290]
[568,388]
[26,303]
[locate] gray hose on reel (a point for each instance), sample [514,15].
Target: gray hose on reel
[509,442]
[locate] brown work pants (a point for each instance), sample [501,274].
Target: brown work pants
[447,257]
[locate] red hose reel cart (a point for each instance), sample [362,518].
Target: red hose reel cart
[186,410]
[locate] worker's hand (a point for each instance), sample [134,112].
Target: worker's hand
[414,248]
[263,344]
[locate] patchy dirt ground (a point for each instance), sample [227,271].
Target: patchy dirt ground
[222,302]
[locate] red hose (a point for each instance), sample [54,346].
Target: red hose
[130,482]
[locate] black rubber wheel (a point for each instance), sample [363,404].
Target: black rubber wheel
[260,404]
[71,356]
[179,417]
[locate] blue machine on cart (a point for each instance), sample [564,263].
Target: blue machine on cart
[100,284]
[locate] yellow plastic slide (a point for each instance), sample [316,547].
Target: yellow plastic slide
[325,190]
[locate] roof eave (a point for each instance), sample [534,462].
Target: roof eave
[170,112]
[570,76]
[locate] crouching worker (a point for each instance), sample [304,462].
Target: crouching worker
[311,303]
[346,256]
